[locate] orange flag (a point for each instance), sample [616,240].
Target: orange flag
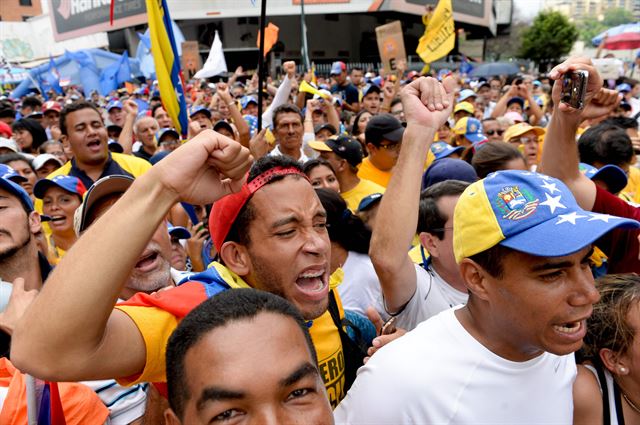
[270,37]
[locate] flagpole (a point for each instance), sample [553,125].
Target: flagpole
[303,31]
[263,13]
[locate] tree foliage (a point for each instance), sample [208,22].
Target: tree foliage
[549,38]
[590,26]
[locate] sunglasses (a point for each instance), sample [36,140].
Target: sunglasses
[391,147]
[492,132]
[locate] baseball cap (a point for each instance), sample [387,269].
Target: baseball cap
[326,126]
[345,147]
[5,129]
[42,159]
[369,201]
[516,99]
[7,172]
[466,94]
[442,149]
[114,104]
[464,106]
[221,124]
[199,108]
[514,116]
[337,68]
[246,100]
[624,87]
[114,146]
[69,183]
[51,105]
[164,131]
[612,175]
[527,212]
[519,129]
[383,127]
[225,210]
[537,83]
[179,232]
[370,88]
[111,185]
[471,128]
[16,190]
[448,169]
[9,144]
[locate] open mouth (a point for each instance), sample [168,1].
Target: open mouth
[313,283]
[569,327]
[94,144]
[147,262]
[57,218]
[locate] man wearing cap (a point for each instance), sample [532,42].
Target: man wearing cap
[560,159]
[201,115]
[249,105]
[145,130]
[524,260]
[45,164]
[371,98]
[345,154]
[346,91]
[468,132]
[527,139]
[178,251]
[168,139]
[442,150]
[383,135]
[115,113]
[51,111]
[463,109]
[83,131]
[270,235]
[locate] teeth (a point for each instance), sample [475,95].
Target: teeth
[569,328]
[309,275]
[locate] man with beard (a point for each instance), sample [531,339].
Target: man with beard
[271,236]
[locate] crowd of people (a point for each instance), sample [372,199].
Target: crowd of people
[384,249]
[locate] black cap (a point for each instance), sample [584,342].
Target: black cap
[223,124]
[325,126]
[346,148]
[384,127]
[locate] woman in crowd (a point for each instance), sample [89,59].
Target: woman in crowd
[29,135]
[60,196]
[497,156]
[359,125]
[23,166]
[607,388]
[321,174]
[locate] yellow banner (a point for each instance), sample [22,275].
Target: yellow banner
[439,34]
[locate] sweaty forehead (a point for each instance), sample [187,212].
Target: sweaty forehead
[290,194]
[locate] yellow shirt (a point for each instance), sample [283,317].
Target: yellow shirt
[633,184]
[156,326]
[363,189]
[368,171]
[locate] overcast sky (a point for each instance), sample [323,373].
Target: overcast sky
[526,10]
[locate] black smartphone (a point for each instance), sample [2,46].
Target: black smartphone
[574,88]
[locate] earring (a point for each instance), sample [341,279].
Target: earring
[623,370]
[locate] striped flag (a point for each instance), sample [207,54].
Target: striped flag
[167,61]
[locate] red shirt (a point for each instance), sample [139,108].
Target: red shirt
[620,245]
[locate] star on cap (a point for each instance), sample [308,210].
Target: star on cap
[551,187]
[601,217]
[553,202]
[569,218]
[543,176]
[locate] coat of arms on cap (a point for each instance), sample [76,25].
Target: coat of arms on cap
[516,204]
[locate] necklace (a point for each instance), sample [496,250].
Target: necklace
[632,404]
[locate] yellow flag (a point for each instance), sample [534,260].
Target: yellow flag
[439,34]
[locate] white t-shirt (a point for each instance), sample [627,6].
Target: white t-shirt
[360,287]
[440,374]
[432,296]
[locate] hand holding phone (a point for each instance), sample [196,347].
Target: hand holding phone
[574,88]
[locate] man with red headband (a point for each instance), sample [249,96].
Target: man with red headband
[270,235]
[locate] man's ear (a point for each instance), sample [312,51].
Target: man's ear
[35,225]
[427,240]
[236,258]
[65,142]
[475,278]
[170,418]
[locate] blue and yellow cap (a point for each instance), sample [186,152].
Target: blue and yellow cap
[527,212]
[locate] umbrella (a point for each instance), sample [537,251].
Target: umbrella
[622,37]
[495,68]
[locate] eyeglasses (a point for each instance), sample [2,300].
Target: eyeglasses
[391,147]
[492,132]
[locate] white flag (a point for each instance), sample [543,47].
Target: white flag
[215,63]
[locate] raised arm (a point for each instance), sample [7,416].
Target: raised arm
[560,157]
[501,106]
[71,332]
[126,135]
[243,128]
[397,217]
[283,93]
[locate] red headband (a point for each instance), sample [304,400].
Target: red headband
[226,210]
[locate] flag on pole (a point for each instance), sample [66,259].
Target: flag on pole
[215,63]
[167,61]
[439,34]
[115,74]
[270,37]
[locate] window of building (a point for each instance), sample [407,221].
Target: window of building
[25,3]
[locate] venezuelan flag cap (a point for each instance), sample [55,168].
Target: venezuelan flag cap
[527,212]
[70,184]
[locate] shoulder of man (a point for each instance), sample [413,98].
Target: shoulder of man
[62,171]
[132,164]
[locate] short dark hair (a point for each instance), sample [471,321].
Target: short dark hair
[31,102]
[491,260]
[429,215]
[357,68]
[344,227]
[285,109]
[493,157]
[605,143]
[229,306]
[155,108]
[395,101]
[73,107]
[622,122]
[239,231]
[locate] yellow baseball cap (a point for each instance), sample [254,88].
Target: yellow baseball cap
[464,106]
[519,129]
